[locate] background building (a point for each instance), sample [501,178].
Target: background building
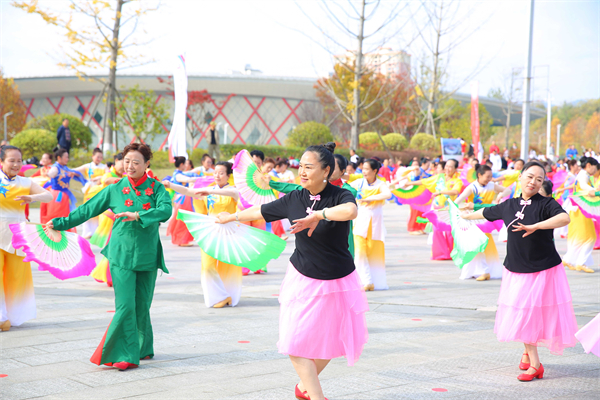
[248,108]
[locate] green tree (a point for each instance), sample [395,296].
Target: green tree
[34,142]
[395,141]
[139,112]
[456,121]
[424,141]
[81,135]
[308,134]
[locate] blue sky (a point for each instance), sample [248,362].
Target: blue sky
[218,36]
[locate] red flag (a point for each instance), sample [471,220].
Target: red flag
[475,116]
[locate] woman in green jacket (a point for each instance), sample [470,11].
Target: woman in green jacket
[134,252]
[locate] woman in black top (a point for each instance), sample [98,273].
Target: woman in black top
[534,306]
[322,301]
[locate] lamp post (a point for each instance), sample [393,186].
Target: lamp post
[5,128]
[527,99]
[558,141]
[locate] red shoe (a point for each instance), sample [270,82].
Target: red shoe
[123,365]
[524,366]
[146,358]
[260,271]
[539,373]
[302,396]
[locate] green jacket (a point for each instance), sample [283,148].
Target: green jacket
[133,245]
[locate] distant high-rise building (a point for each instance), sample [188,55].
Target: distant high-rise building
[384,61]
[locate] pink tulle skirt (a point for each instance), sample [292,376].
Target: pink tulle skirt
[536,309]
[589,336]
[322,319]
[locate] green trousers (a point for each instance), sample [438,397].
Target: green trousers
[129,335]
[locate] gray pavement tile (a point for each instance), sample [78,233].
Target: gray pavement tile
[39,388]
[198,355]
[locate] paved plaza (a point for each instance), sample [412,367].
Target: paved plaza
[430,336]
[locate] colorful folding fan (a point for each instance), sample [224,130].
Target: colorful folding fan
[248,180]
[413,195]
[469,240]
[233,243]
[589,205]
[442,221]
[64,254]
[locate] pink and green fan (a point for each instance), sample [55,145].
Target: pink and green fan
[469,240]
[64,254]
[442,221]
[233,243]
[248,179]
[589,205]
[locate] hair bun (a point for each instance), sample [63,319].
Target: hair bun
[330,146]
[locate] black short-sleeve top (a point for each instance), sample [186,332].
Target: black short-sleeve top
[533,253]
[325,254]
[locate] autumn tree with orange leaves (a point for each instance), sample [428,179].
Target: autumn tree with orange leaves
[10,101]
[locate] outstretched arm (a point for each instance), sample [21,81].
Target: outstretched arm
[558,221]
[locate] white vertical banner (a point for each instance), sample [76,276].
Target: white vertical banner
[177,136]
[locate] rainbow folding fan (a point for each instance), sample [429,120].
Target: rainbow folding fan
[442,221]
[469,240]
[64,254]
[253,189]
[233,243]
[413,195]
[589,205]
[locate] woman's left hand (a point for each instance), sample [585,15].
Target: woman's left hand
[309,222]
[128,216]
[223,218]
[25,199]
[529,229]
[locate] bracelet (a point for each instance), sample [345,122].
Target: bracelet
[137,216]
[237,218]
[324,216]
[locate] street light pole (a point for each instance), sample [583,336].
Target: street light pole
[548,127]
[527,99]
[5,127]
[558,141]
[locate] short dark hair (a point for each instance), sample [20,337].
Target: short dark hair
[482,169]
[4,149]
[60,153]
[455,162]
[282,161]
[341,161]
[269,160]
[588,160]
[548,185]
[191,162]
[325,155]
[118,156]
[179,161]
[144,149]
[96,150]
[258,154]
[374,164]
[533,164]
[228,166]
[50,155]
[204,156]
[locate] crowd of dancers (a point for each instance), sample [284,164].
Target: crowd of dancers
[335,208]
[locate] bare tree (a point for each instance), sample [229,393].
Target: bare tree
[100,43]
[373,24]
[508,95]
[441,33]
